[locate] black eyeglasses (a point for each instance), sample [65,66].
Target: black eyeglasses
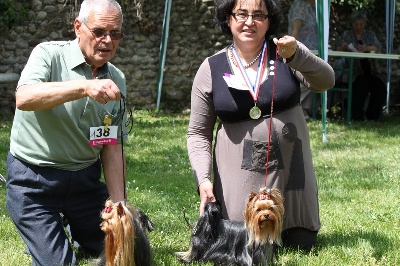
[243,16]
[115,35]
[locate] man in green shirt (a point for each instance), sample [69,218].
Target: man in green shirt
[68,128]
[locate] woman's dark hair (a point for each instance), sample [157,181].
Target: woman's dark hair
[224,10]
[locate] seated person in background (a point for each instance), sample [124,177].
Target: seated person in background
[360,39]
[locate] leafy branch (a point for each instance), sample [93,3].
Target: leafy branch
[12,12]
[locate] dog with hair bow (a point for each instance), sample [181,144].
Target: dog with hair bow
[247,243]
[126,242]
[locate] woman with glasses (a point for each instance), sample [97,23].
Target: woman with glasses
[250,91]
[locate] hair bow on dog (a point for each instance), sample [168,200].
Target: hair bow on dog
[265,194]
[264,197]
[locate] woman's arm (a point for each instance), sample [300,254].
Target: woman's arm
[311,70]
[201,125]
[200,133]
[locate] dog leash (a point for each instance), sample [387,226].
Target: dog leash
[122,145]
[129,121]
[270,120]
[266,195]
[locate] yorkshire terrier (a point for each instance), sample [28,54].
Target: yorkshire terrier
[126,242]
[225,242]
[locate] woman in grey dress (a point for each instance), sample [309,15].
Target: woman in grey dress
[233,91]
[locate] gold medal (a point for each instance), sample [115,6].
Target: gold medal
[255,112]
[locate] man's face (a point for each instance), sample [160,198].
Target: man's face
[99,50]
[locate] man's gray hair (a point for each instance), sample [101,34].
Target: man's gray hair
[88,6]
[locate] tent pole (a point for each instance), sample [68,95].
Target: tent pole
[390,14]
[163,50]
[323,36]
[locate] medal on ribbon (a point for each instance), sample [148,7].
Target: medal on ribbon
[255,111]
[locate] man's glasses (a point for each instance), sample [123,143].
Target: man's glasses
[100,34]
[242,16]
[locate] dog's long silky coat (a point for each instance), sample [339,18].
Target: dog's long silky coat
[126,242]
[247,243]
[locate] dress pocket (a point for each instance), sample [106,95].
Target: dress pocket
[255,156]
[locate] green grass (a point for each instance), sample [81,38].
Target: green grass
[358,171]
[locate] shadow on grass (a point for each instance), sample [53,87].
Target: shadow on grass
[379,242]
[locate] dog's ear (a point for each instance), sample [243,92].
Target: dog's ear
[251,196]
[120,209]
[278,199]
[249,206]
[276,195]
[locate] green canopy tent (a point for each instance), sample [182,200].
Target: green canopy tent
[323,14]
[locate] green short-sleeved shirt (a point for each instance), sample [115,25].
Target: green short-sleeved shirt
[59,137]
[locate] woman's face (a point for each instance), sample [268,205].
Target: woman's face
[249,30]
[358,26]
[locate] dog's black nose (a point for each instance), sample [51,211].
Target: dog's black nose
[266,216]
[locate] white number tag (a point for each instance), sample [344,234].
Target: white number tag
[100,136]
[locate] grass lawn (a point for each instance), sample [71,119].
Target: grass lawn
[358,171]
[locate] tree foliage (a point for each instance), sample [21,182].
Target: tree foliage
[363,4]
[12,12]
[358,4]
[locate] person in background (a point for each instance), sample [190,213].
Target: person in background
[303,26]
[358,38]
[233,91]
[69,104]
[372,94]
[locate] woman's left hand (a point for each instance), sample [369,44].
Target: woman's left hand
[287,46]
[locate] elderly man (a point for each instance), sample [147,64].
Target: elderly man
[67,131]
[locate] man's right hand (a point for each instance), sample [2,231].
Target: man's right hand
[103,90]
